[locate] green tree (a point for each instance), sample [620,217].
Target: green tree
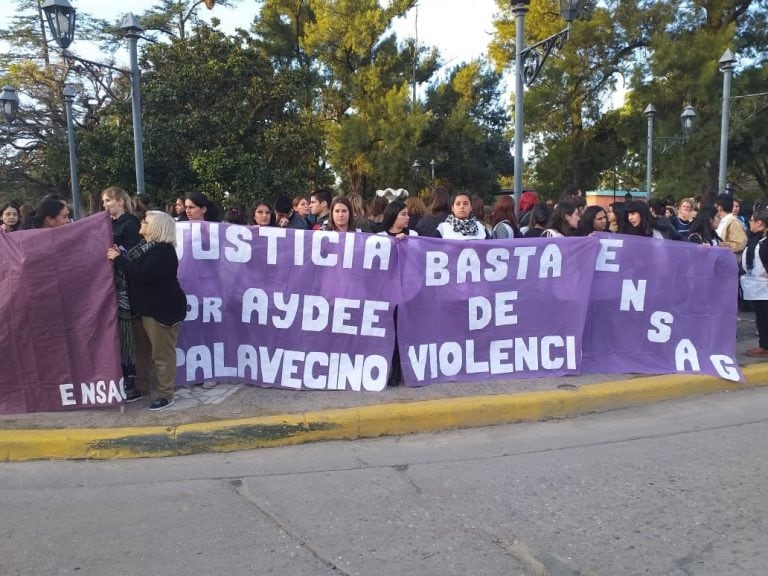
[665,53]
[35,155]
[467,134]
[362,79]
[219,118]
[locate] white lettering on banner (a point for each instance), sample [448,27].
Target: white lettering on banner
[67,392]
[725,367]
[101,392]
[661,321]
[469,266]
[199,252]
[327,248]
[211,309]
[551,263]
[316,313]
[239,238]
[481,311]
[531,353]
[685,352]
[272,234]
[633,294]
[287,368]
[607,255]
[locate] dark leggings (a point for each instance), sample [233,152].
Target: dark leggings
[761,316]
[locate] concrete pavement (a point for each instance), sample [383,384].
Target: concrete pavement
[231,417]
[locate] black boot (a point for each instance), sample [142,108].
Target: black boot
[129,383]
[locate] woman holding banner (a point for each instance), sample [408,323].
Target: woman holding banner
[262,215]
[125,235]
[51,212]
[639,221]
[396,220]
[157,300]
[461,224]
[563,222]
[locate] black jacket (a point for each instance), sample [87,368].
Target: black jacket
[125,231]
[153,288]
[667,229]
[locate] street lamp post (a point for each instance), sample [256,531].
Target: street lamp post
[9,100]
[650,113]
[415,171]
[758,102]
[61,17]
[528,64]
[432,167]
[688,120]
[727,64]
[69,96]
[133,32]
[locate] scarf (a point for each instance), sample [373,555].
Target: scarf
[124,315]
[466,227]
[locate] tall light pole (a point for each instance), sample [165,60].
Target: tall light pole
[688,121]
[727,64]
[133,32]
[432,167]
[528,64]
[757,103]
[61,17]
[69,96]
[650,113]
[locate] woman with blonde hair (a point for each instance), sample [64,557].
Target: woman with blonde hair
[684,217]
[157,301]
[125,235]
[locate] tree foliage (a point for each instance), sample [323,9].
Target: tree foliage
[315,91]
[660,52]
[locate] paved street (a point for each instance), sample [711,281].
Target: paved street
[677,489]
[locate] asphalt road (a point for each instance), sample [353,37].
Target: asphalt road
[675,489]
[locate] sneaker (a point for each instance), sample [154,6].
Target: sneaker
[132,396]
[161,404]
[757,352]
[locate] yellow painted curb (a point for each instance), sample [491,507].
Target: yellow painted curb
[362,422]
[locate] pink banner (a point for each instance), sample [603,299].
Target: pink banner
[58,314]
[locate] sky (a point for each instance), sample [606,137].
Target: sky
[461,34]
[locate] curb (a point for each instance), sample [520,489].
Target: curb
[362,422]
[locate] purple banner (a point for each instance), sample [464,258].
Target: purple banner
[286,308]
[315,310]
[59,317]
[661,307]
[493,309]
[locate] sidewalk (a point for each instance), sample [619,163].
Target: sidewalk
[230,417]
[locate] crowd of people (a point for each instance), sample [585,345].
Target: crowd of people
[151,304]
